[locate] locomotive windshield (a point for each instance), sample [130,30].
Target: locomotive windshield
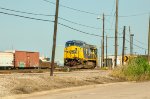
[74,44]
[69,44]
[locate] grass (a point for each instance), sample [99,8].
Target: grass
[137,69]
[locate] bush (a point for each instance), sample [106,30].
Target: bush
[137,69]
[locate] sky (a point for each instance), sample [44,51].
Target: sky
[32,35]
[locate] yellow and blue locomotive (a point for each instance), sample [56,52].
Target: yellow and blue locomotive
[79,54]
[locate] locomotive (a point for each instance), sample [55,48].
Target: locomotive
[79,54]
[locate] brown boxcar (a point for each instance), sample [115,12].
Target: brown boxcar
[25,59]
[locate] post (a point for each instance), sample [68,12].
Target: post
[123,47]
[125,50]
[116,34]
[149,42]
[101,54]
[103,40]
[106,50]
[54,38]
[131,44]
[130,40]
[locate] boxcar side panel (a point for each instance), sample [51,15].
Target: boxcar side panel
[20,59]
[6,59]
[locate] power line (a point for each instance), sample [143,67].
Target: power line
[113,15]
[82,24]
[134,39]
[113,7]
[50,21]
[53,21]
[25,17]
[79,23]
[59,17]
[62,25]
[137,40]
[25,12]
[136,45]
[87,12]
[30,13]
[132,15]
[114,37]
[79,30]
[139,14]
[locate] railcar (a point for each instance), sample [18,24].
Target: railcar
[79,54]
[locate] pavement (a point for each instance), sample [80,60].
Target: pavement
[122,90]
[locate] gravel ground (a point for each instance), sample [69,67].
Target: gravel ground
[26,83]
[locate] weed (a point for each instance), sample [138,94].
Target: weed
[137,69]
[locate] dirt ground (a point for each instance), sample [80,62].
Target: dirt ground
[26,83]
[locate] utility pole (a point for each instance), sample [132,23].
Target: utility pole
[116,34]
[131,44]
[54,38]
[123,47]
[103,40]
[106,50]
[149,42]
[131,41]
[101,54]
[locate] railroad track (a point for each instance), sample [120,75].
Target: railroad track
[62,69]
[23,71]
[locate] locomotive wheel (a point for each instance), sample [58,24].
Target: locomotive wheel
[90,65]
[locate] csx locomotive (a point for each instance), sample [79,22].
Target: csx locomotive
[79,54]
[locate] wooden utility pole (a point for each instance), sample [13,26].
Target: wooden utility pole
[106,50]
[54,39]
[101,54]
[116,34]
[103,40]
[130,39]
[123,47]
[131,43]
[149,42]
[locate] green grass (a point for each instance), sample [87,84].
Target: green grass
[137,69]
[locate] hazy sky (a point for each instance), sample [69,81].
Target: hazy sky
[25,34]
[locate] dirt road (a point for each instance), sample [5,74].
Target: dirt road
[123,90]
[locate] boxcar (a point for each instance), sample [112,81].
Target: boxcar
[6,60]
